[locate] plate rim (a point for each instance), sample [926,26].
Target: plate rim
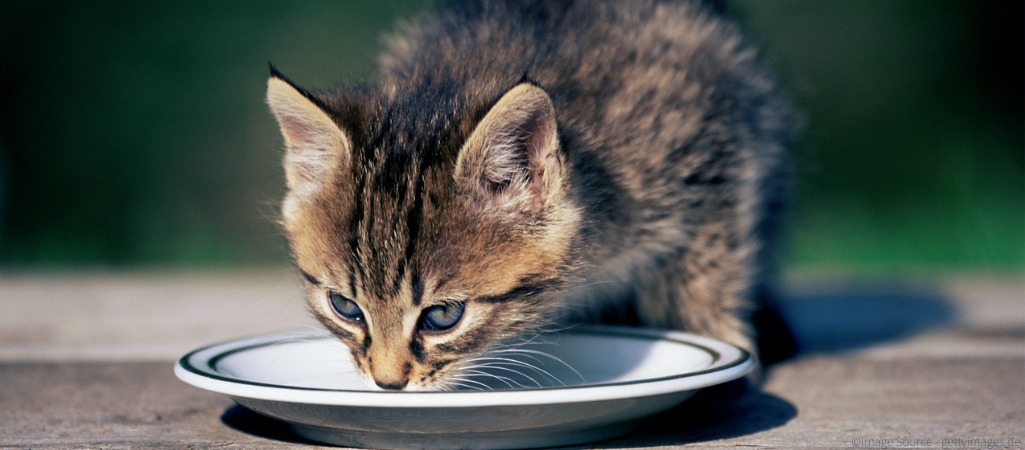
[729,362]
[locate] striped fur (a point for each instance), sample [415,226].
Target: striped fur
[541,162]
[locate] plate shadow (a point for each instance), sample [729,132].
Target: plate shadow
[245,420]
[708,416]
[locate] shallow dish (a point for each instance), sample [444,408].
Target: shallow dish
[576,386]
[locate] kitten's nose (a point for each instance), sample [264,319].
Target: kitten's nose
[389,366]
[392,386]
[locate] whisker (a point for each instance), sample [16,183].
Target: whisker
[546,355]
[526,365]
[524,354]
[505,365]
[465,383]
[507,369]
[508,381]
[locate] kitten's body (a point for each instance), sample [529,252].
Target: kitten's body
[519,165]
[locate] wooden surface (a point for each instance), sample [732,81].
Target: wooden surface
[86,361]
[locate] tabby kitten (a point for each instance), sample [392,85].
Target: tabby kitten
[521,164]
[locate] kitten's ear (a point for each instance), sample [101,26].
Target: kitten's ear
[512,158]
[315,144]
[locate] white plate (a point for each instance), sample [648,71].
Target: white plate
[594,383]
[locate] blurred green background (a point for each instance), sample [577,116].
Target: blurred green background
[134,133]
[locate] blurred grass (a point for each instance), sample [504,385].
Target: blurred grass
[913,157]
[135,132]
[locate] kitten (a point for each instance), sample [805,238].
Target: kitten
[521,164]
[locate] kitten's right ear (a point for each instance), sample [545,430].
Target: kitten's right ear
[315,143]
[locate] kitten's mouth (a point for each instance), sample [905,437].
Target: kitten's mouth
[409,386]
[392,386]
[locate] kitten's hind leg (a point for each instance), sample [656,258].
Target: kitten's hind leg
[776,342]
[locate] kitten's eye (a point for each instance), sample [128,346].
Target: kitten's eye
[345,307]
[442,317]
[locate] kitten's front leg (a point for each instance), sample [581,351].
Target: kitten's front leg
[703,289]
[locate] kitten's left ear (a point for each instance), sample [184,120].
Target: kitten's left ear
[314,141]
[511,159]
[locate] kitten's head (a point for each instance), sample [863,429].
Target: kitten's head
[427,228]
